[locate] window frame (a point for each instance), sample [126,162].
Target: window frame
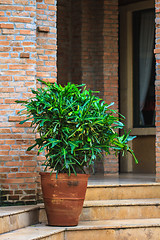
[126,66]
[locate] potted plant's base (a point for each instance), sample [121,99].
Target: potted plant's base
[63,197]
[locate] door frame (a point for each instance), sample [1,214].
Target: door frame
[126,75]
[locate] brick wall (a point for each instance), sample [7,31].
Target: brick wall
[87,52]
[110,69]
[100,57]
[23,57]
[46,39]
[18,71]
[157,88]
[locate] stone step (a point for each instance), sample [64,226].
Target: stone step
[120,209]
[123,191]
[130,229]
[15,217]
[115,209]
[35,232]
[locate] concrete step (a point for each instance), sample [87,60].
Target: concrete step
[115,209]
[15,217]
[130,229]
[35,232]
[120,209]
[123,191]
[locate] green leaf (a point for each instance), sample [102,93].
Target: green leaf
[18,101]
[54,142]
[73,145]
[31,147]
[39,80]
[21,122]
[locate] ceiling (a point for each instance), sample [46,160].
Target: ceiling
[124,2]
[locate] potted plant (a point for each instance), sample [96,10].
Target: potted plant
[74,127]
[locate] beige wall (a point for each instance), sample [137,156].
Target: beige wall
[144,148]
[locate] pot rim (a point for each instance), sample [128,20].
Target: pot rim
[62,175]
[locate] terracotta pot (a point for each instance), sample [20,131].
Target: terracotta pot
[63,197]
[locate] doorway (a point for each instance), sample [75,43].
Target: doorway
[137,77]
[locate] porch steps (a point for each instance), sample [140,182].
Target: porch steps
[126,211]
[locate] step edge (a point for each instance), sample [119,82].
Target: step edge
[101,203]
[48,235]
[19,211]
[121,202]
[90,185]
[93,227]
[11,233]
[123,226]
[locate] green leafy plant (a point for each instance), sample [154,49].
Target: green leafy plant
[74,127]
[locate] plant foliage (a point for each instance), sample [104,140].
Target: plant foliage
[74,126]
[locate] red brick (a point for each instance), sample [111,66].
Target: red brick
[24,55]
[20,19]
[32,186]
[16,118]
[10,31]
[6,89]
[6,1]
[2,37]
[6,25]
[4,169]
[3,19]
[5,130]
[11,175]
[28,43]
[43,29]
[26,32]
[5,43]
[5,49]
[4,153]
[49,1]
[54,8]
[41,6]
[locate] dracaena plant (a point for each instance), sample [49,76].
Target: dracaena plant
[74,127]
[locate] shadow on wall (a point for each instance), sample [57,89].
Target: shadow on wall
[69,41]
[80,54]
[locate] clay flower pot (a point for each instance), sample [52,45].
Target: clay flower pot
[63,197]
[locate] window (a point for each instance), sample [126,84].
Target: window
[143,68]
